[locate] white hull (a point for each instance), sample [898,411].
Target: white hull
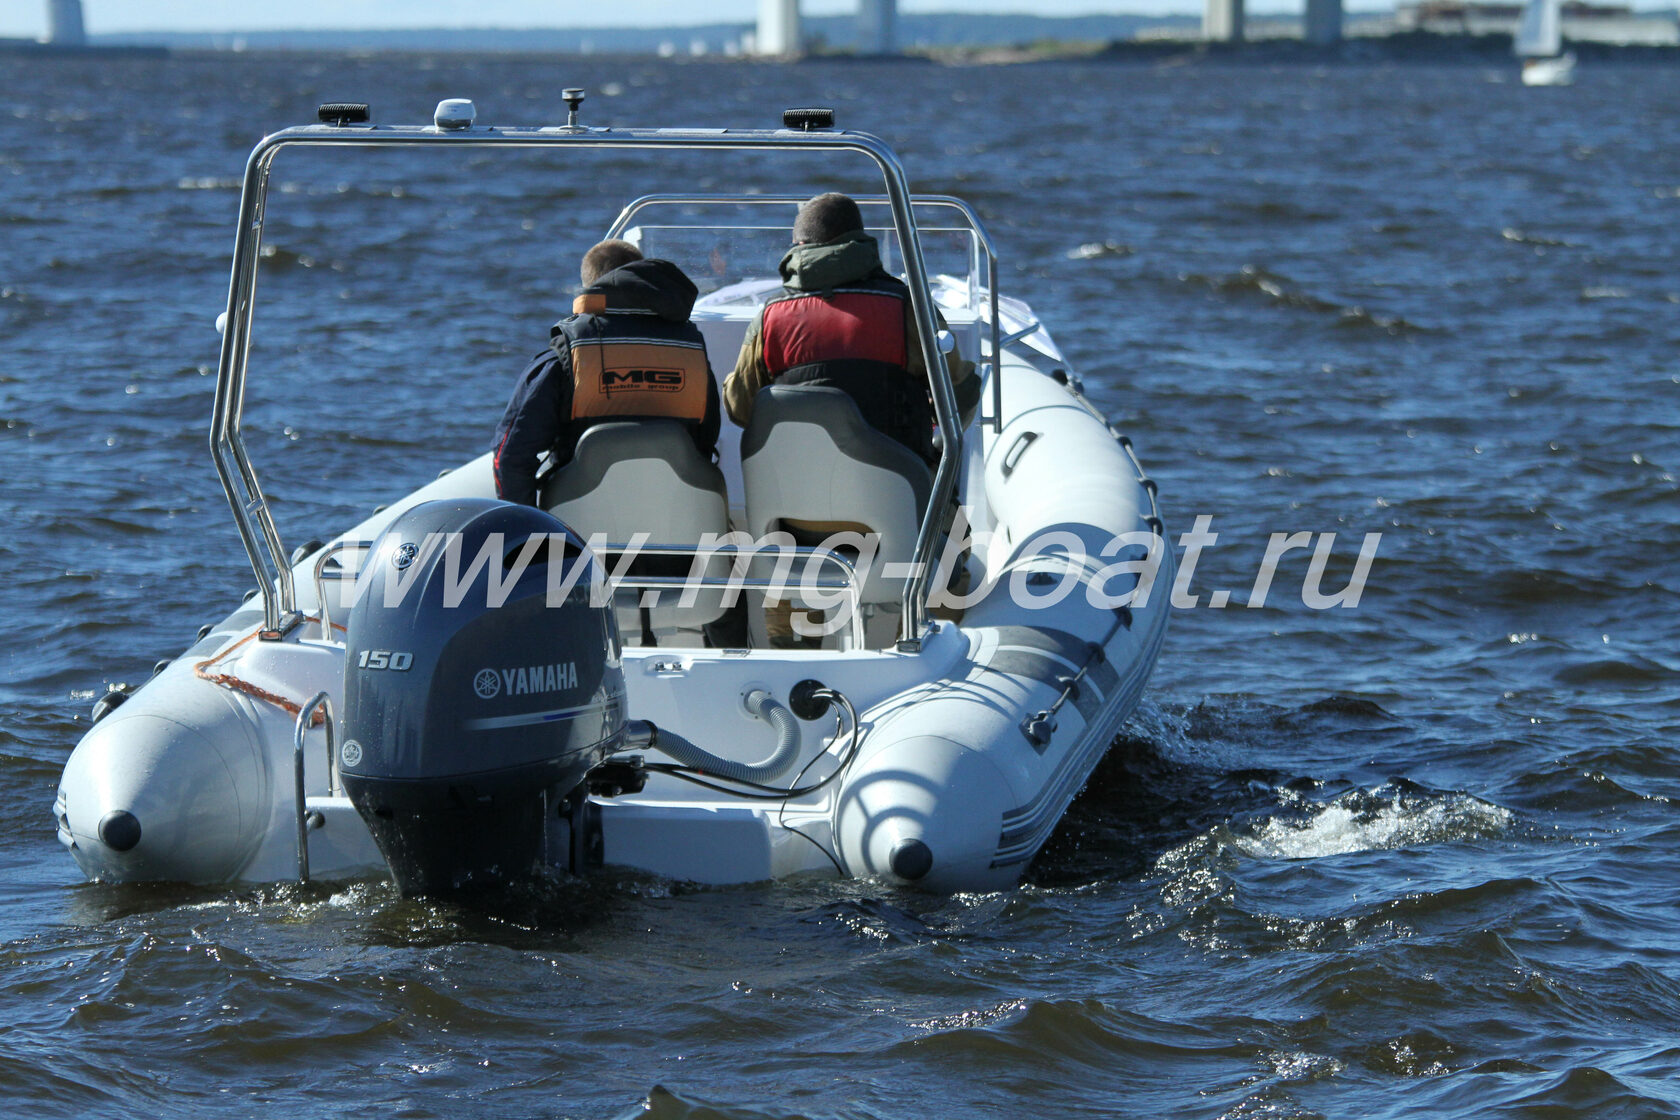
[1559,71]
[202,756]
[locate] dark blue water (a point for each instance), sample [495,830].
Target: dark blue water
[1416,857]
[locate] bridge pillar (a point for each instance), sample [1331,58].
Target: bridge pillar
[64,23]
[1323,22]
[778,27]
[875,26]
[1222,21]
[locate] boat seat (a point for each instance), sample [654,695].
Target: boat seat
[644,476]
[808,458]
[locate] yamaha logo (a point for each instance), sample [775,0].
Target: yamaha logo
[527,680]
[405,554]
[350,754]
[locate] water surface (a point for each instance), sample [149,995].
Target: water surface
[1410,858]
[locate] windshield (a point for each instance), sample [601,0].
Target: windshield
[729,245]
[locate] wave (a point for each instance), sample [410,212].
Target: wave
[1584,1090]
[1272,211]
[1373,820]
[275,257]
[1096,250]
[664,1104]
[364,190]
[1254,280]
[208,183]
[1179,775]
[1627,669]
[1522,237]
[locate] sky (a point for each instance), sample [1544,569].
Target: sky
[28,17]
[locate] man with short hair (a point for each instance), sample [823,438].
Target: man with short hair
[627,352]
[843,321]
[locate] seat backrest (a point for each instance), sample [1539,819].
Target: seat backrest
[645,476]
[808,456]
[637,476]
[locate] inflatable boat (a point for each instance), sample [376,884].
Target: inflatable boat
[460,692]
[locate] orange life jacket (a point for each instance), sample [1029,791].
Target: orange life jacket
[634,366]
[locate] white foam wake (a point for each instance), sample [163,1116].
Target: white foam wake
[1375,821]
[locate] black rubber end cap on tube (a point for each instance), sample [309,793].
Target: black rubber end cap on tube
[120,830]
[911,860]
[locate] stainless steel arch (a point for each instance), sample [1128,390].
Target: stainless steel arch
[239,481]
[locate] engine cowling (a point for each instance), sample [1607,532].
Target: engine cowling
[481,685]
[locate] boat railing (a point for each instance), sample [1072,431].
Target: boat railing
[305,823]
[1015,336]
[252,513]
[738,579]
[983,259]
[321,559]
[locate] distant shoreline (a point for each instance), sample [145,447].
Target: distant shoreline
[1398,47]
[57,50]
[1165,46]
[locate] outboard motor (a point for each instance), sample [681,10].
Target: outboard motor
[480,687]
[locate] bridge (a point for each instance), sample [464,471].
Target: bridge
[1222,22]
[64,23]
[779,31]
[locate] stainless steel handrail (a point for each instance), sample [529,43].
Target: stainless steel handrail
[736,578]
[915,592]
[321,579]
[847,581]
[1013,337]
[985,255]
[300,729]
[239,482]
[971,220]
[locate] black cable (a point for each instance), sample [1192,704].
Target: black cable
[839,868]
[781,814]
[757,791]
[806,769]
[694,777]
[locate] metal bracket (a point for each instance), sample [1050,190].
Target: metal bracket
[288,623]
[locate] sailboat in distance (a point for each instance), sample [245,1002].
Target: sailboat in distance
[1539,43]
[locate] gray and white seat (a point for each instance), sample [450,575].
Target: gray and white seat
[645,476]
[813,466]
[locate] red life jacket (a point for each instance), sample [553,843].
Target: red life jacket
[862,321]
[853,339]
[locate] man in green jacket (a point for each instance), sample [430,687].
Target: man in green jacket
[843,321]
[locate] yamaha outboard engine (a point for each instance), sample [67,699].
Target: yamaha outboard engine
[480,687]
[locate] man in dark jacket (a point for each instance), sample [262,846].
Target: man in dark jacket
[842,321]
[627,352]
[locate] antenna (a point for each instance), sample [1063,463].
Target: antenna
[341,113]
[573,98]
[805,120]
